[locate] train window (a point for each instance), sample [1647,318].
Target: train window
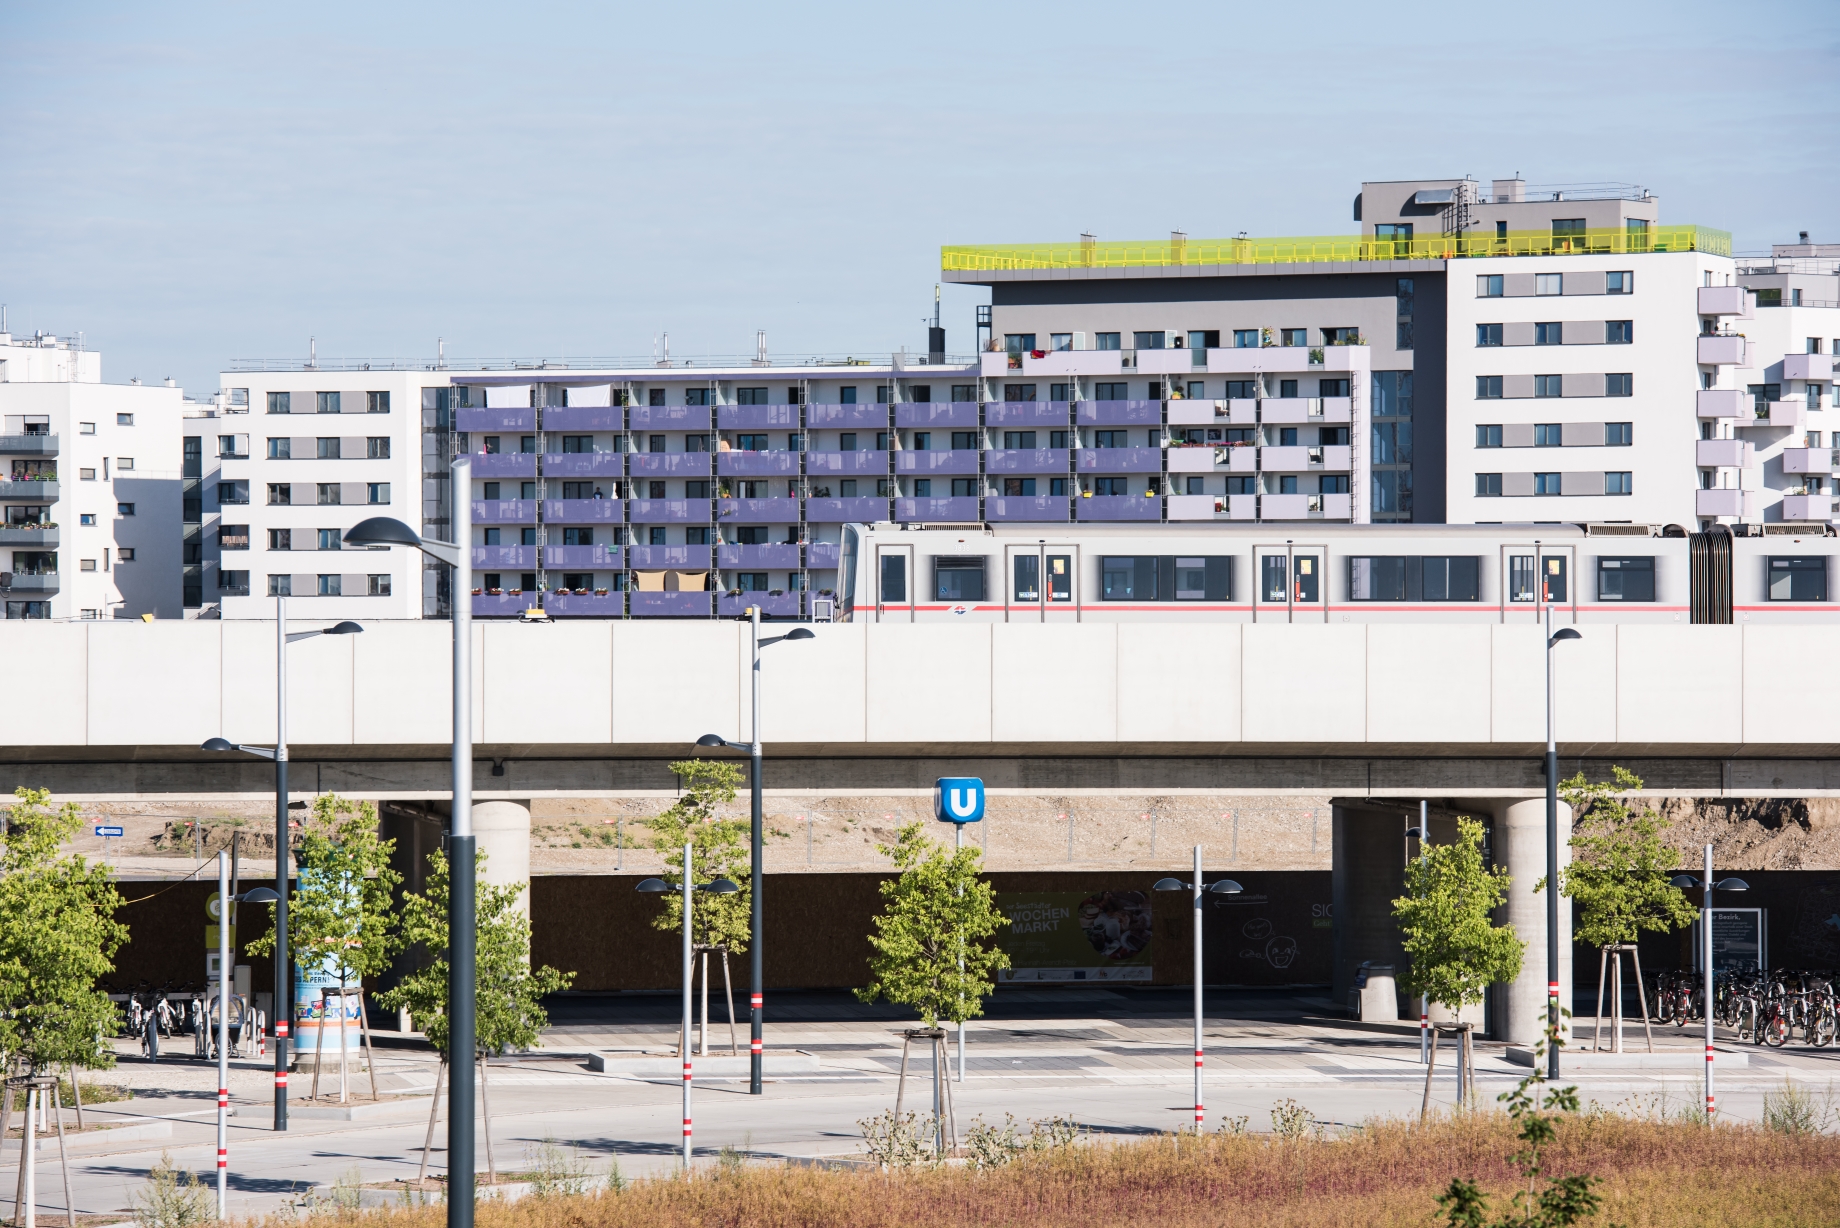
[1191,579]
[1552,574]
[1123,579]
[1028,577]
[894,578]
[1626,579]
[1798,579]
[1060,577]
[1274,577]
[958,578]
[1520,577]
[1414,578]
[1154,578]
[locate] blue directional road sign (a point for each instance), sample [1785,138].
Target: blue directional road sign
[958,799]
[108,831]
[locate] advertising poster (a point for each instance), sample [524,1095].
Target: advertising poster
[1066,936]
[1280,930]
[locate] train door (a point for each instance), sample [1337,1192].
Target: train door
[1060,584]
[1042,584]
[1537,577]
[1292,584]
[894,584]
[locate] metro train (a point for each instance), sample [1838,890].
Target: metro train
[1321,572]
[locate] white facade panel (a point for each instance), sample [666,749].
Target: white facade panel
[1680,684]
[930,683]
[1291,672]
[1410,691]
[1054,683]
[1161,695]
[812,690]
[554,686]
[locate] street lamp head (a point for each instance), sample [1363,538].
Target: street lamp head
[344,628]
[1225,886]
[651,886]
[1169,884]
[260,895]
[710,739]
[1731,884]
[1563,633]
[1684,881]
[218,744]
[1416,833]
[720,886]
[800,633]
[381,531]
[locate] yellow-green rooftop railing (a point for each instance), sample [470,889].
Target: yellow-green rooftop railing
[1127,254]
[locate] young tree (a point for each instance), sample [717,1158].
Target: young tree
[340,915]
[58,935]
[508,996]
[1620,866]
[719,849]
[930,950]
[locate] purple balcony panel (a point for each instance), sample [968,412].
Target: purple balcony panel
[677,558]
[670,417]
[1027,413]
[1026,460]
[493,421]
[504,511]
[936,413]
[669,605]
[782,556]
[576,605]
[668,511]
[504,464]
[1047,508]
[505,558]
[1118,507]
[757,417]
[962,460]
[1120,460]
[961,510]
[840,511]
[584,511]
[823,554]
[786,605]
[757,511]
[874,463]
[834,417]
[587,558]
[757,464]
[1120,413]
[486,605]
[584,464]
[674,464]
[584,418]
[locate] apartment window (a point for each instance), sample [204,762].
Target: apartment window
[1548,385]
[1018,392]
[280,402]
[1488,387]
[326,402]
[281,539]
[280,494]
[377,447]
[846,488]
[1619,484]
[922,394]
[1620,384]
[331,539]
[86,475]
[1393,232]
[964,440]
[968,392]
[1294,336]
[1243,339]
[376,402]
[1341,336]
[329,494]
[127,509]
[1060,392]
[86,518]
[1111,486]
[1287,485]
[233,537]
[1287,388]
[1488,334]
[696,396]
[331,586]
[1551,333]
[1545,483]
[1549,283]
[1793,579]
[923,488]
[881,394]
[1488,436]
[1241,486]
[1567,230]
[120,420]
[751,396]
[1547,435]
[1619,434]
[1814,396]
[1619,332]
[846,396]
[1626,579]
[124,554]
[958,578]
[964,488]
[1414,578]
[1014,440]
[86,428]
[1488,485]
[1489,285]
[229,493]
[380,585]
[280,449]
[1287,436]
[1111,439]
[696,489]
[1620,283]
[86,565]
[1101,341]
[377,492]
[281,586]
[1149,341]
[1110,392]
[1019,343]
[329,448]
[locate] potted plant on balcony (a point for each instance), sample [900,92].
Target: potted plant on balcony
[477,592]
[517,592]
[1316,356]
[600,592]
[1265,340]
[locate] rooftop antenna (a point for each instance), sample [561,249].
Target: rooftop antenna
[440,347]
[760,346]
[312,353]
[935,304]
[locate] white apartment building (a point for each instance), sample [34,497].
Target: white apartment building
[89,487]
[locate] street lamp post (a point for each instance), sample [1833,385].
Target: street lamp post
[690,887]
[1707,886]
[1552,851]
[1225,886]
[226,915]
[383,532]
[756,1006]
[282,1007]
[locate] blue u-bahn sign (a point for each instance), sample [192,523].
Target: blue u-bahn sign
[958,799]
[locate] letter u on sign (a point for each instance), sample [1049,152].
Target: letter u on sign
[958,799]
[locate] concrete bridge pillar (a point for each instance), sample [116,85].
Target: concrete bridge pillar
[1369,874]
[1519,843]
[503,831]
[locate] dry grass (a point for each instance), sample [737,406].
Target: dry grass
[1387,1174]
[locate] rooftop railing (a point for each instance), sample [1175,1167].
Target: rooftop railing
[1126,254]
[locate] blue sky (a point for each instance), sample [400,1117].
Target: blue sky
[194,183]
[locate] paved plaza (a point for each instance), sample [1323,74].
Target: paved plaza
[1116,1061]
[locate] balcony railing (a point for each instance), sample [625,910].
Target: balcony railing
[28,445]
[586,464]
[777,556]
[1119,460]
[852,510]
[1120,413]
[493,421]
[584,511]
[505,557]
[961,509]
[46,490]
[823,555]
[504,464]
[1118,507]
[1048,509]
[1027,413]
[669,511]
[584,605]
[29,535]
[937,414]
[504,511]
[761,417]
[855,417]
[671,417]
[827,463]
[506,604]
[757,464]
[961,460]
[588,558]
[775,605]
[1026,460]
[671,558]
[758,511]
[670,464]
[669,605]
[584,418]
